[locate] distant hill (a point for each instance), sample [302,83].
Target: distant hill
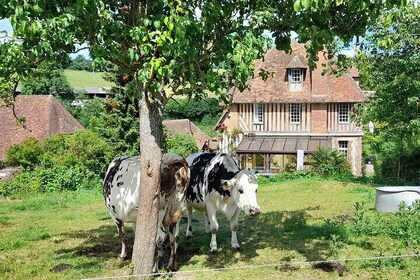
[84,79]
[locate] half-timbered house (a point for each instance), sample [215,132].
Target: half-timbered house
[295,111]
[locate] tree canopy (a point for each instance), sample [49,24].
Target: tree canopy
[181,47]
[390,67]
[48,78]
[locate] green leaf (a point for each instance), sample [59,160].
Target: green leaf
[296,5]
[306,4]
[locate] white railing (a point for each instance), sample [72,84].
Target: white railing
[228,143]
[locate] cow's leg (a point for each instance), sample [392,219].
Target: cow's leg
[189,215]
[123,237]
[160,244]
[206,223]
[173,241]
[214,227]
[233,227]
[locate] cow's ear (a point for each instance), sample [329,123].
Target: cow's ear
[178,177]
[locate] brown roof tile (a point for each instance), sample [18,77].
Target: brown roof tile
[316,87]
[296,62]
[44,116]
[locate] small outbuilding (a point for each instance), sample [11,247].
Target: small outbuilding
[185,126]
[43,116]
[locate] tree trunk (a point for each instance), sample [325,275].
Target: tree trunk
[151,137]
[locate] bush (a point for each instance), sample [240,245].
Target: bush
[51,179]
[280,177]
[329,162]
[194,110]
[115,120]
[28,154]
[61,162]
[403,225]
[406,167]
[83,148]
[181,144]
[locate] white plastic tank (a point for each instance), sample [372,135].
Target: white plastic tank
[388,199]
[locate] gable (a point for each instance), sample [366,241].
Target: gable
[316,87]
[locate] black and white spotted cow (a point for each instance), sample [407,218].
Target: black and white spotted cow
[218,185]
[122,189]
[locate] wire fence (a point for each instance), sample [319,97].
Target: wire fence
[274,265]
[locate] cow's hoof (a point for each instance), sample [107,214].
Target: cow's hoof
[236,249]
[172,269]
[122,258]
[213,251]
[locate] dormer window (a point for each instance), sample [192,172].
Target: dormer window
[296,79]
[296,70]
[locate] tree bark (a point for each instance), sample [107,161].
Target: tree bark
[151,137]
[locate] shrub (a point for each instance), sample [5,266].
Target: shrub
[329,162]
[115,120]
[83,148]
[194,110]
[402,225]
[181,144]
[280,177]
[28,154]
[51,179]
[61,162]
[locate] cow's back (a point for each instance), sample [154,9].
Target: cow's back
[121,188]
[198,164]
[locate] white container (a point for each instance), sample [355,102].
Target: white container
[388,199]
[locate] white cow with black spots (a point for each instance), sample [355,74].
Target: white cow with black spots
[218,185]
[121,190]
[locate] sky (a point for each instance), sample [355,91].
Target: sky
[5,25]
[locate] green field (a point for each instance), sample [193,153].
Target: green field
[82,79]
[296,226]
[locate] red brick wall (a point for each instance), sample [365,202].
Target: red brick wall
[231,121]
[319,118]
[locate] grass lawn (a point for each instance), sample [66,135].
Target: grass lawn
[84,79]
[41,231]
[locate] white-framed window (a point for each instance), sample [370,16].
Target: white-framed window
[296,79]
[295,111]
[258,113]
[343,147]
[343,113]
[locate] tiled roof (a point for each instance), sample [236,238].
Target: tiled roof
[316,87]
[185,126]
[296,62]
[44,116]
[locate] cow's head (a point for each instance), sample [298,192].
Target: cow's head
[243,188]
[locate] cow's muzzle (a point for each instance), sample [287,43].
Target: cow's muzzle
[254,211]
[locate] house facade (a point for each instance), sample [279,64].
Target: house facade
[294,112]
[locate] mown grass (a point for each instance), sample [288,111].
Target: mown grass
[299,218]
[82,79]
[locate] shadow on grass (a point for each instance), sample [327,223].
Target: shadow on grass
[283,231]
[100,243]
[286,231]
